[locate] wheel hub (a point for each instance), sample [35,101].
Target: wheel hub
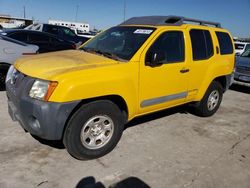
[97,132]
[213,100]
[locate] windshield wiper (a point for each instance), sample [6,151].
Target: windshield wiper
[92,50]
[105,54]
[112,56]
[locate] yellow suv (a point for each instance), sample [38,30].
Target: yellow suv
[85,97]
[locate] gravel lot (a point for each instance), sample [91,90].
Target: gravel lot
[169,149]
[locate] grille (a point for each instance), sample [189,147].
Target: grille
[243,70]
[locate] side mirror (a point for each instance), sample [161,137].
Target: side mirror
[156,58]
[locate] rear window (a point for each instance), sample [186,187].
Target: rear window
[13,40]
[202,45]
[38,37]
[239,46]
[19,36]
[226,46]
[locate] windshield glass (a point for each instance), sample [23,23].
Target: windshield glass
[246,53]
[119,42]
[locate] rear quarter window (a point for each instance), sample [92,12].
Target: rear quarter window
[226,46]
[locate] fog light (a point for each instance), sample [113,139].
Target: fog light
[35,123]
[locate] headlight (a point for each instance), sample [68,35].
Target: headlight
[42,89]
[10,73]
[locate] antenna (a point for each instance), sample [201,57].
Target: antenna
[124,10]
[76,12]
[24,12]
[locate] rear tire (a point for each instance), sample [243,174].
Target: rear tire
[211,100]
[94,130]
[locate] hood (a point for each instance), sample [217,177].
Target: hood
[243,61]
[48,65]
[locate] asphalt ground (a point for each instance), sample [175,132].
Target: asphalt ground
[168,149]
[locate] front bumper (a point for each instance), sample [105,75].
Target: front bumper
[43,119]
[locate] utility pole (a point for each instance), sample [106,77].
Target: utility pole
[124,10]
[76,13]
[24,12]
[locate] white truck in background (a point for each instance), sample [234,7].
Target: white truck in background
[75,26]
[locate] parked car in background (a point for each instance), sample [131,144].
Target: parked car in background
[61,32]
[87,35]
[240,47]
[45,41]
[242,71]
[10,50]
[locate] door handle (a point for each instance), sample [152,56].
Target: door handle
[217,50]
[184,70]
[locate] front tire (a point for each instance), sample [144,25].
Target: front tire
[94,130]
[3,73]
[211,100]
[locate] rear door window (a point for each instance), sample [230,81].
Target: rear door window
[52,29]
[202,45]
[226,46]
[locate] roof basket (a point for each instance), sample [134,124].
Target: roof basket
[167,20]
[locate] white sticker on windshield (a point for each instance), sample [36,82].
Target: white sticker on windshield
[143,31]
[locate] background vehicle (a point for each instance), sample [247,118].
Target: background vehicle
[143,65]
[45,41]
[87,35]
[77,26]
[240,47]
[242,71]
[10,50]
[61,32]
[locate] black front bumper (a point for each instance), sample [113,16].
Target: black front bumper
[43,119]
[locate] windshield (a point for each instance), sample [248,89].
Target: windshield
[119,43]
[246,53]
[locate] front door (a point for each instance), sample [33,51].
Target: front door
[164,84]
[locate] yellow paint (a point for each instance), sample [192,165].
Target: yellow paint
[81,75]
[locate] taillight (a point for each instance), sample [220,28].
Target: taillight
[29,53]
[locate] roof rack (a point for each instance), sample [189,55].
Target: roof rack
[167,20]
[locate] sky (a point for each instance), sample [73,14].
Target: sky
[101,14]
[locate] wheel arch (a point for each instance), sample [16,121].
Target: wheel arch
[116,99]
[224,81]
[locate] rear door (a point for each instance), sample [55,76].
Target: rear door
[40,40]
[202,56]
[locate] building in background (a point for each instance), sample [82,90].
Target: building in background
[6,21]
[79,28]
